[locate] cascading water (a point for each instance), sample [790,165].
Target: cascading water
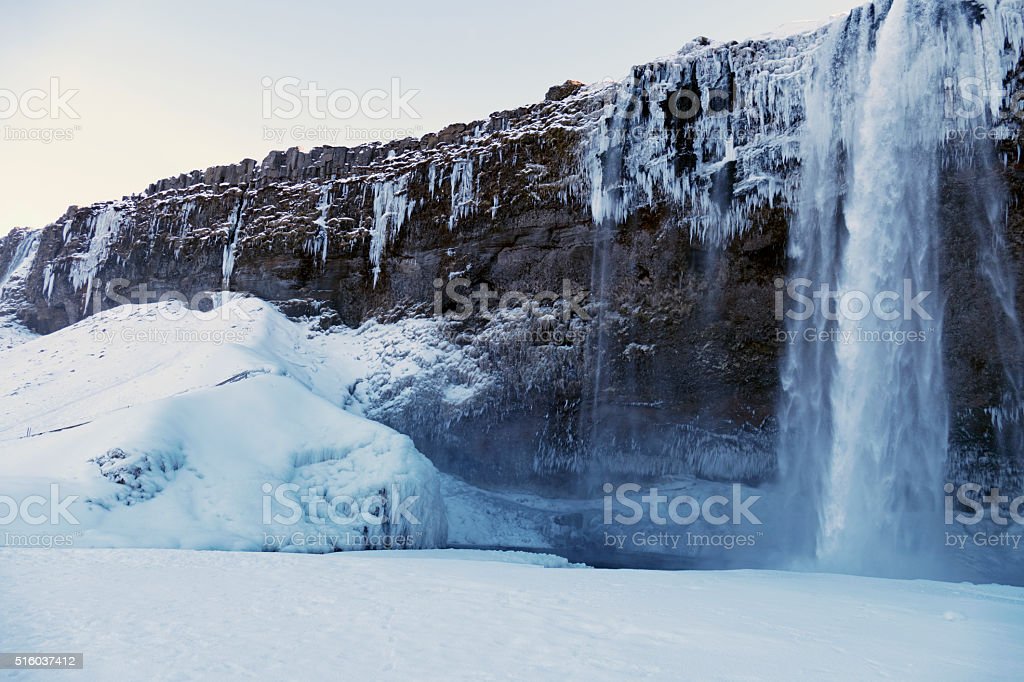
[864,416]
[234,232]
[607,212]
[20,262]
[888,396]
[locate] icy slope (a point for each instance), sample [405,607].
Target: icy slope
[388,615]
[178,429]
[137,353]
[134,354]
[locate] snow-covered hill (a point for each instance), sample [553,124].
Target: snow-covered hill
[170,427]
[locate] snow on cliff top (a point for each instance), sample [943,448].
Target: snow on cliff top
[795,28]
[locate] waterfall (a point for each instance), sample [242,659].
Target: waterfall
[888,398]
[21,261]
[864,413]
[234,230]
[317,245]
[607,211]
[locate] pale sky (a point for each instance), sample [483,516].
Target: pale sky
[163,88]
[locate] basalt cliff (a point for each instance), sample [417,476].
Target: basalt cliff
[638,232]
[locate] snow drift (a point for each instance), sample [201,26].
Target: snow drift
[160,426]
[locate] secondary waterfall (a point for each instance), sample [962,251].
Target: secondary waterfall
[608,212]
[864,416]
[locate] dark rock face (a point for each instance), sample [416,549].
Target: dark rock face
[557,93]
[984,348]
[674,369]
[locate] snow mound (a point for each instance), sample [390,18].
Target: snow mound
[138,353]
[163,428]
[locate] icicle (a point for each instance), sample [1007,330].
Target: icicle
[317,246]
[230,248]
[104,227]
[715,157]
[432,178]
[391,208]
[463,191]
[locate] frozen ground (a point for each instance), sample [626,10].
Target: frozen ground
[450,615]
